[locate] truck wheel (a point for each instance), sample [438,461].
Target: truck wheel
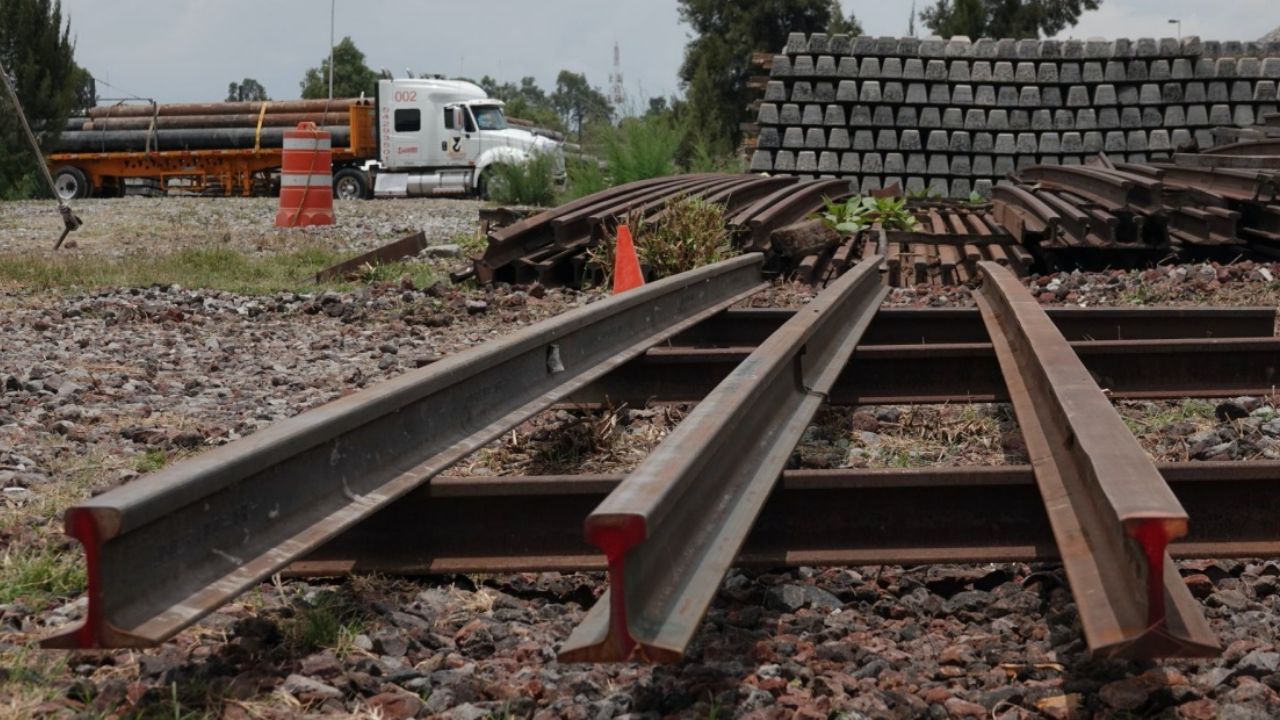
[482,184]
[71,183]
[350,184]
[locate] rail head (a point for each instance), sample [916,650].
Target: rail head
[170,547]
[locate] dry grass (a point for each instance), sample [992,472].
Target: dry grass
[556,442]
[217,268]
[925,435]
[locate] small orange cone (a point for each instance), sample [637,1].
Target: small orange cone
[626,266]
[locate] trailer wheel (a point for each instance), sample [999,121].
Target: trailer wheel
[350,184]
[71,183]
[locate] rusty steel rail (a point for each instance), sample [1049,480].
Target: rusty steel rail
[391,252]
[673,527]
[173,546]
[905,326]
[813,518]
[967,372]
[1112,514]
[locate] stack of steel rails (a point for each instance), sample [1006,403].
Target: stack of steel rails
[551,247]
[1215,205]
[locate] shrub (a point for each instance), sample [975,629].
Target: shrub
[689,234]
[641,148]
[585,176]
[531,182]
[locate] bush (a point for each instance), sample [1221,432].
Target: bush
[641,148]
[585,177]
[689,234]
[531,182]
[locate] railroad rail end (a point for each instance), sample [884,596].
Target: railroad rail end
[1113,515]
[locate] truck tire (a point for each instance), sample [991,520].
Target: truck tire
[482,183]
[351,184]
[72,183]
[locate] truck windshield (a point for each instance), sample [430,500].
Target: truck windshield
[489,117]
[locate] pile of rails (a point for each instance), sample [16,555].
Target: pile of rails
[552,246]
[945,248]
[153,127]
[1218,205]
[954,116]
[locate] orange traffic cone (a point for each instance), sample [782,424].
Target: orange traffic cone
[626,266]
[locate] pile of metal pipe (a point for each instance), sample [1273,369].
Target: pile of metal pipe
[199,126]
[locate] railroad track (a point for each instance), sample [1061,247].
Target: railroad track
[356,485]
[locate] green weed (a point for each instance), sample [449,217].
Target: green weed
[331,620]
[531,182]
[859,213]
[38,574]
[641,148]
[151,460]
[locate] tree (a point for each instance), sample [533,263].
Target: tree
[36,49]
[252,90]
[1004,18]
[725,35]
[579,103]
[526,101]
[351,76]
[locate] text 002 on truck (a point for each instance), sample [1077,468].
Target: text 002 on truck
[422,136]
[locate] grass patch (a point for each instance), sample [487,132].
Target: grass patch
[531,182]
[32,678]
[151,460]
[1148,419]
[330,620]
[39,573]
[209,268]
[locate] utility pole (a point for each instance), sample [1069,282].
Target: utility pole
[332,3]
[1179,24]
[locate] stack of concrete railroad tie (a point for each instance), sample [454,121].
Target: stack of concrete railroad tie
[952,117]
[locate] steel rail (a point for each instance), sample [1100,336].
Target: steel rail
[1100,186]
[967,372]
[1112,514]
[171,547]
[813,517]
[508,244]
[673,527]
[905,326]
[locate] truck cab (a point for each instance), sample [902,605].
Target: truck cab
[438,137]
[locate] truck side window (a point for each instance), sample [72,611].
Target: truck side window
[408,120]
[448,118]
[466,118]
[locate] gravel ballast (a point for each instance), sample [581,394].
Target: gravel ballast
[99,387]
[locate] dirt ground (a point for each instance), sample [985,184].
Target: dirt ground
[100,386]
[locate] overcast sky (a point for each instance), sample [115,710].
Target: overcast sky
[189,50]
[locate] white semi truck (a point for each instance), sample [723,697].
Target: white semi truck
[419,136]
[443,137]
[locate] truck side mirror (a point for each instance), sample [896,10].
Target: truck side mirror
[458,122]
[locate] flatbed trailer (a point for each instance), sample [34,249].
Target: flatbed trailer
[245,172]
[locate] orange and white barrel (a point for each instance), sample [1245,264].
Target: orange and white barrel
[306,178]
